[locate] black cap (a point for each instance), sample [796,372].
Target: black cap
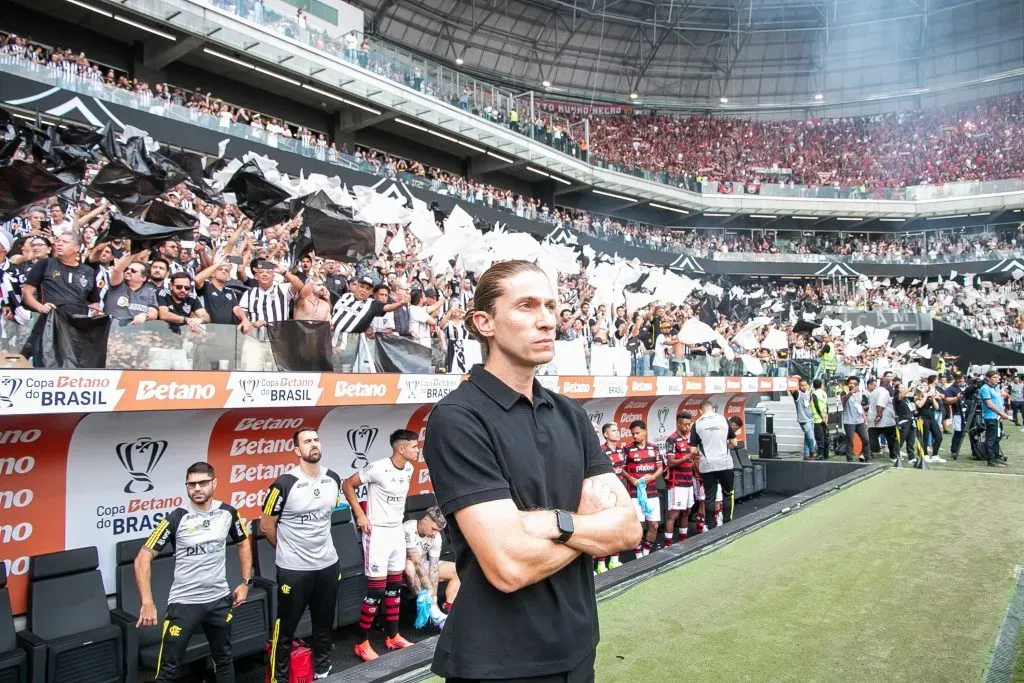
[263,264]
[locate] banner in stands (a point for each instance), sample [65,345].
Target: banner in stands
[72,481]
[902,320]
[90,110]
[582,108]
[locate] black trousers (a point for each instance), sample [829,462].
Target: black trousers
[711,482]
[180,622]
[992,451]
[317,589]
[932,427]
[865,440]
[821,437]
[908,436]
[958,438]
[581,673]
[890,440]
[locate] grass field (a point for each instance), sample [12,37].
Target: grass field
[904,577]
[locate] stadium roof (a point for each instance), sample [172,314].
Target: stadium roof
[692,53]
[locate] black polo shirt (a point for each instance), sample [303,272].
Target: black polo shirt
[183,308]
[336,285]
[219,303]
[69,287]
[487,442]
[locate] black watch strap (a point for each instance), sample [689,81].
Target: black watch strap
[565,526]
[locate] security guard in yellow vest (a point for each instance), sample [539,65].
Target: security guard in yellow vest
[940,366]
[829,360]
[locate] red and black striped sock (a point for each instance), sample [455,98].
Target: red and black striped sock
[374,594]
[392,602]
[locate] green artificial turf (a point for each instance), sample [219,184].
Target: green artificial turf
[1012,447]
[903,577]
[884,581]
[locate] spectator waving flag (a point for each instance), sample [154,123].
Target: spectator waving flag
[258,198]
[144,235]
[333,234]
[23,184]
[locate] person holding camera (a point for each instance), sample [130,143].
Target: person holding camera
[955,400]
[854,402]
[991,412]
[929,403]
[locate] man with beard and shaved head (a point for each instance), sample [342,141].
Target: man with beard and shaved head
[297,522]
[200,598]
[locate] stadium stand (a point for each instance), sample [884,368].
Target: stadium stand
[224,232]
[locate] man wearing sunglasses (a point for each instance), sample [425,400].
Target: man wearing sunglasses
[179,307]
[131,299]
[199,597]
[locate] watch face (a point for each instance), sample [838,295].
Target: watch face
[565,525]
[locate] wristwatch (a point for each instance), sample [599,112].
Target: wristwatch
[565,527]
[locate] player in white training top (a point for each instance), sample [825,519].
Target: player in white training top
[424,569]
[387,486]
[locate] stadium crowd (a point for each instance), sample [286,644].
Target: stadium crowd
[872,156]
[429,305]
[948,246]
[183,283]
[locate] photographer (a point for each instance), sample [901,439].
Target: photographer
[931,432]
[854,402]
[992,411]
[955,399]
[906,418]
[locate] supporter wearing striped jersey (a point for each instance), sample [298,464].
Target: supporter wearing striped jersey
[297,522]
[265,304]
[200,596]
[643,467]
[387,487]
[679,479]
[355,309]
[617,455]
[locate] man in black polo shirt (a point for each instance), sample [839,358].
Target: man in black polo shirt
[219,298]
[131,298]
[179,307]
[333,281]
[63,282]
[530,497]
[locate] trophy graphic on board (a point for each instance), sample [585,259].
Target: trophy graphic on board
[360,440]
[9,386]
[139,458]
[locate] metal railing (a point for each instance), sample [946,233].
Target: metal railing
[308,147]
[494,103]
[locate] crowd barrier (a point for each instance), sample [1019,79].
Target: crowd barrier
[303,346]
[111,471]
